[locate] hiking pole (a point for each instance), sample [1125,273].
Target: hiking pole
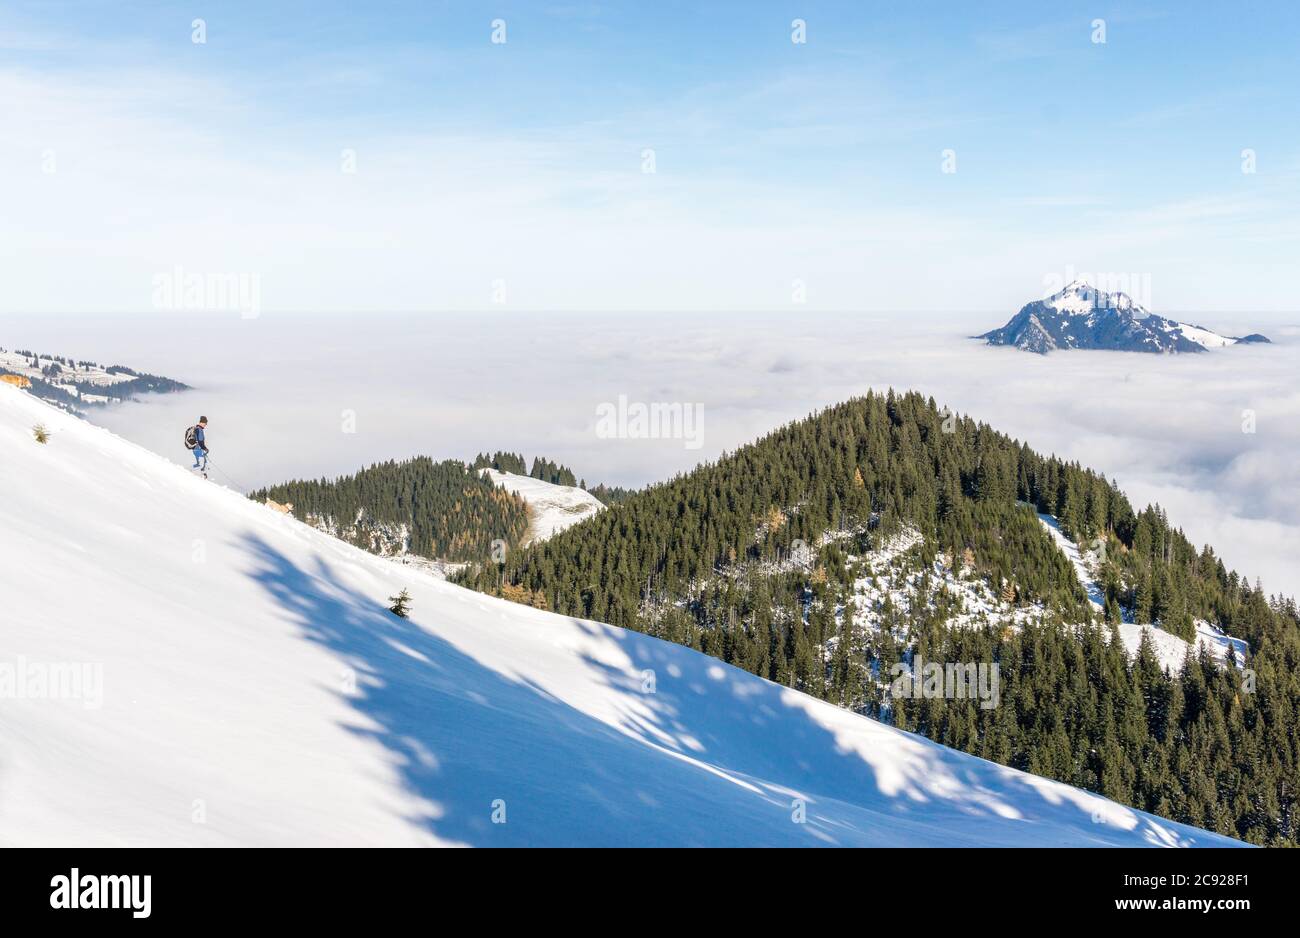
[242,489]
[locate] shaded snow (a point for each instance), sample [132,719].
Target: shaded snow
[256,692]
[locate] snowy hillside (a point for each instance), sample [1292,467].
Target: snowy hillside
[180,665]
[1170,650]
[892,579]
[551,507]
[71,385]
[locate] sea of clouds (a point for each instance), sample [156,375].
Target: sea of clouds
[299,395]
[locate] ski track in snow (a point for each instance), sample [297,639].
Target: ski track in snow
[256,692]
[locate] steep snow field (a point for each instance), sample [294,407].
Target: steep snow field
[553,507]
[255,691]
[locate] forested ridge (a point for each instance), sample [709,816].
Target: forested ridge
[447,511]
[706,560]
[443,510]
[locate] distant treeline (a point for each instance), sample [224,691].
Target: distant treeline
[58,373]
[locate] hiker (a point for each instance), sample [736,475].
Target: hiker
[198,445]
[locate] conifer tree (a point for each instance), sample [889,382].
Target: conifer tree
[401,604]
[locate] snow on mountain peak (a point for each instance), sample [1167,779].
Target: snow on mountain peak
[1079,296]
[1081,316]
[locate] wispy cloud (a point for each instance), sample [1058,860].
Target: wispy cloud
[776,169]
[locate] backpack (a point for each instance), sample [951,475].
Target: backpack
[191,437]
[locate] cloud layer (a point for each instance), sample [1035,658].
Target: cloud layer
[283,391]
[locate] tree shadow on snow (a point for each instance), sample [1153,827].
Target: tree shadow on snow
[698,753]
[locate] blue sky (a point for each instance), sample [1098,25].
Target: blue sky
[522,163]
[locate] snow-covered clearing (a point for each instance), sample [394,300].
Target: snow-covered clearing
[551,507]
[1083,566]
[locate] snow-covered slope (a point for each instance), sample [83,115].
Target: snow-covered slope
[1082,567]
[890,579]
[553,507]
[253,690]
[71,384]
[1170,650]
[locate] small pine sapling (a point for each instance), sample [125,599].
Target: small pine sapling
[41,433]
[401,604]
